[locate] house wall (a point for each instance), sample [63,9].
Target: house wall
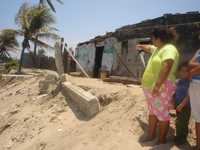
[115,55]
[128,56]
[121,58]
[118,48]
[134,62]
[85,54]
[109,60]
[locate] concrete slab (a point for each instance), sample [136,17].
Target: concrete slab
[10,76]
[85,101]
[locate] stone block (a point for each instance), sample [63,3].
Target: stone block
[85,101]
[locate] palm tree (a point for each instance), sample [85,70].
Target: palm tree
[41,4]
[8,43]
[33,20]
[49,2]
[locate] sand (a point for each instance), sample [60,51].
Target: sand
[29,121]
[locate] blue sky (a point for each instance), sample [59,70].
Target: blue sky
[80,20]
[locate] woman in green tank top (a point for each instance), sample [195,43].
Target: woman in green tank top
[158,81]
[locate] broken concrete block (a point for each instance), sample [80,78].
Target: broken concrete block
[18,77]
[49,84]
[51,78]
[46,87]
[85,101]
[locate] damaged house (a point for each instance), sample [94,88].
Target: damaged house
[116,51]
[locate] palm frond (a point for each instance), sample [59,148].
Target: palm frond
[49,28]
[40,18]
[33,18]
[21,18]
[8,31]
[13,49]
[8,38]
[53,29]
[51,5]
[42,44]
[8,54]
[15,32]
[4,55]
[60,1]
[49,2]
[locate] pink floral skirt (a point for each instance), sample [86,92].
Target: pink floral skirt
[159,105]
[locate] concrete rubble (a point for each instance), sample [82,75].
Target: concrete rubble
[49,84]
[85,101]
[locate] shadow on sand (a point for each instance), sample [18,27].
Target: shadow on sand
[170,139]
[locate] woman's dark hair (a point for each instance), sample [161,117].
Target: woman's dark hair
[182,65]
[164,34]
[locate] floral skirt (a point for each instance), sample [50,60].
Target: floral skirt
[159,105]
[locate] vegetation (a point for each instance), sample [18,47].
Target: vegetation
[34,25]
[42,4]
[12,64]
[34,22]
[8,42]
[49,2]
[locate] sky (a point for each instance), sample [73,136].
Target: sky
[81,20]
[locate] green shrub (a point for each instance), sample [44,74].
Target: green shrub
[12,64]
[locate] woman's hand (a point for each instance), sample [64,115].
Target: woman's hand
[155,91]
[147,48]
[183,103]
[165,70]
[179,107]
[193,62]
[195,71]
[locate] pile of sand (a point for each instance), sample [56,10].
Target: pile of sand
[29,121]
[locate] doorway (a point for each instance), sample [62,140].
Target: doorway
[98,61]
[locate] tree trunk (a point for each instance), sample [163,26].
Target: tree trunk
[24,46]
[20,61]
[35,53]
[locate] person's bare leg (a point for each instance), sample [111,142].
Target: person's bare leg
[152,126]
[163,130]
[198,135]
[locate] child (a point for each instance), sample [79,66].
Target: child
[182,104]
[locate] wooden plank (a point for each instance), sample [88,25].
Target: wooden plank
[124,80]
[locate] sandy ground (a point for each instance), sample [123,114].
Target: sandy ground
[29,121]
